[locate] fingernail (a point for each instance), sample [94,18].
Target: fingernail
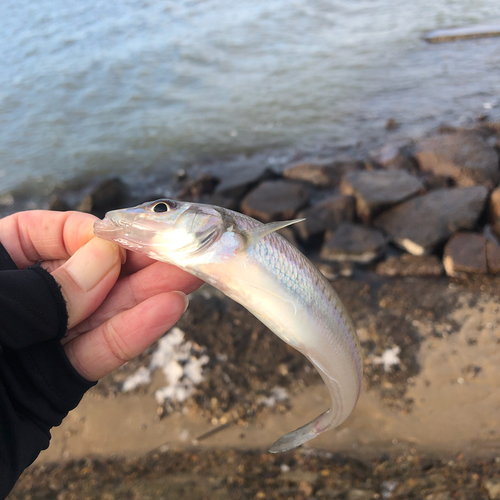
[186,300]
[92,262]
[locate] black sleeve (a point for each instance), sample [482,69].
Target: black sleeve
[38,385]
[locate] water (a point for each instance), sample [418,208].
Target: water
[132,86]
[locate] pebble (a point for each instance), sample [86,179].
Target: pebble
[421,223]
[465,157]
[275,200]
[354,243]
[379,189]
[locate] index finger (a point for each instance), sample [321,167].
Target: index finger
[37,235]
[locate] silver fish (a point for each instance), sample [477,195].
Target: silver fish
[251,263]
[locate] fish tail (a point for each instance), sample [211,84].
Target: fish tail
[305,433]
[326,421]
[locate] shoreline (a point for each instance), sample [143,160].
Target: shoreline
[427,318]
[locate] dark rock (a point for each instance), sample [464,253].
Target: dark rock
[410,265]
[58,204]
[323,173]
[433,181]
[325,216]
[194,190]
[108,195]
[330,270]
[354,243]
[495,229]
[420,224]
[465,253]
[239,177]
[289,235]
[333,269]
[275,200]
[391,124]
[374,191]
[223,201]
[396,156]
[181,175]
[493,257]
[464,156]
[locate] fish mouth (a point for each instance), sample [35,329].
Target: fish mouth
[106,227]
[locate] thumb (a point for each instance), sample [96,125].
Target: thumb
[87,277]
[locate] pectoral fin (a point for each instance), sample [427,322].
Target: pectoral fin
[255,234]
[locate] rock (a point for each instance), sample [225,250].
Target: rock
[58,204]
[205,184]
[396,156]
[433,181]
[325,216]
[494,206]
[493,257]
[495,229]
[465,253]
[465,157]
[332,270]
[275,200]
[379,189]
[354,243]
[410,265]
[108,195]
[492,486]
[420,224]
[323,173]
[238,177]
[391,124]
[223,201]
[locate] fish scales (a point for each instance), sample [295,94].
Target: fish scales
[257,267]
[297,273]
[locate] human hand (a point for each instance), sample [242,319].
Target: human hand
[114,312]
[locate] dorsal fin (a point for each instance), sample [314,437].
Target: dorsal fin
[255,234]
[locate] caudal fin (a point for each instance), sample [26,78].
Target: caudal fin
[304,433]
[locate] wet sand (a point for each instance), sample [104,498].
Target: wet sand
[456,409]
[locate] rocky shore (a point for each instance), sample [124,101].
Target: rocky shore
[434,197]
[408,235]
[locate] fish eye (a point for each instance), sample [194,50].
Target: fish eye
[164,206]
